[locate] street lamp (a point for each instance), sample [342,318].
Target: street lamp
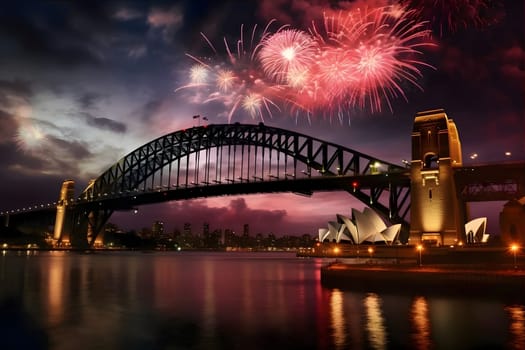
[419,249]
[336,253]
[514,249]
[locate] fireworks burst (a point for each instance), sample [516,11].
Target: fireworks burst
[288,55]
[358,58]
[238,81]
[29,137]
[375,51]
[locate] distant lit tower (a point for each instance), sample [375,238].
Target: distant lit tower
[157,229]
[437,214]
[187,229]
[67,192]
[206,229]
[246,230]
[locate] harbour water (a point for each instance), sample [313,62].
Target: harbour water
[190,300]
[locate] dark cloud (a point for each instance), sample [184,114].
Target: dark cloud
[233,215]
[149,109]
[49,44]
[105,123]
[7,125]
[89,100]
[18,88]
[294,12]
[64,33]
[76,150]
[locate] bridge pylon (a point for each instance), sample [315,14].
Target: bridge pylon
[437,213]
[63,218]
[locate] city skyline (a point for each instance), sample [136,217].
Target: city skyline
[82,85]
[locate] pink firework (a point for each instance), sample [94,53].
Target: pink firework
[377,50]
[288,55]
[452,15]
[239,82]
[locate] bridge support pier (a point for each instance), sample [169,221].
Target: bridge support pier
[62,220]
[437,214]
[87,226]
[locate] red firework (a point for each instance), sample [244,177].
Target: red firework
[376,51]
[358,58]
[237,82]
[287,54]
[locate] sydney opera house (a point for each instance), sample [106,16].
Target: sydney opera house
[368,227]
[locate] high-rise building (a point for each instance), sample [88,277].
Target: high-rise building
[187,229]
[157,229]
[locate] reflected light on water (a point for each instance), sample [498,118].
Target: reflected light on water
[337,318]
[55,290]
[209,317]
[375,321]
[517,325]
[421,323]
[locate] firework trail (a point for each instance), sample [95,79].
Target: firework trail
[357,58]
[367,56]
[288,55]
[388,57]
[237,82]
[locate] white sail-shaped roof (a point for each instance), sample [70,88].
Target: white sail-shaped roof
[323,234]
[366,226]
[476,229]
[351,229]
[375,219]
[391,233]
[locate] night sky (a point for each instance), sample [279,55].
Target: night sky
[84,83]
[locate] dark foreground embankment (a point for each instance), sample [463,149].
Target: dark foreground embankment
[441,279]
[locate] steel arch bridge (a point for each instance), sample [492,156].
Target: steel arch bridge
[229,159]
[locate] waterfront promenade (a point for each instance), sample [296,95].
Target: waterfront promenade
[450,279]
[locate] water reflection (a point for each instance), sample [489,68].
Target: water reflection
[337,318]
[55,291]
[421,323]
[374,322]
[233,301]
[517,326]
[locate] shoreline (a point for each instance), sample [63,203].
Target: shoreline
[450,279]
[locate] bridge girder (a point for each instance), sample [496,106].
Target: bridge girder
[241,159]
[132,171]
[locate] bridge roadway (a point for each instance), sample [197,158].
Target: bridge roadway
[302,186]
[227,150]
[491,181]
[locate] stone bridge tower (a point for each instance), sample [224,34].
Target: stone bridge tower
[437,214]
[62,221]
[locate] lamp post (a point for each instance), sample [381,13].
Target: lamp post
[370,252]
[514,249]
[419,249]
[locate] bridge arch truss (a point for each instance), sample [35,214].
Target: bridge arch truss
[237,158]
